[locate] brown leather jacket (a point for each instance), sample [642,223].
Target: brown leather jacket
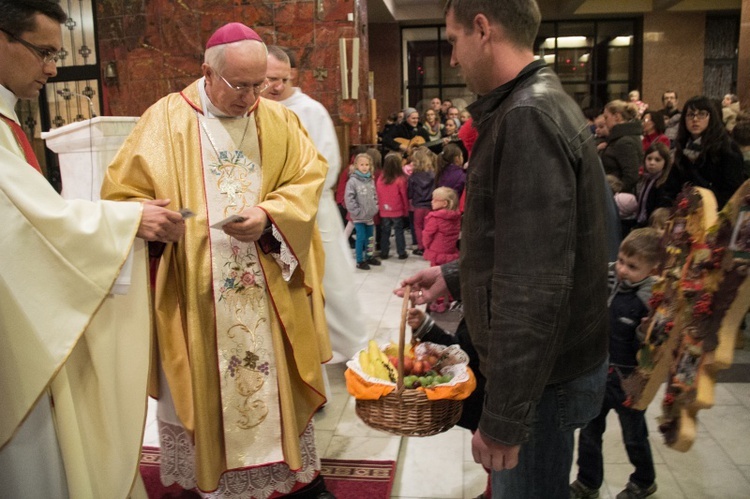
[533,267]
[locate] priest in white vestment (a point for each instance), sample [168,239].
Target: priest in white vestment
[346,323]
[73,358]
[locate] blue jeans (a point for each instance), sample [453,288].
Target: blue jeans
[385,236]
[365,242]
[544,461]
[634,436]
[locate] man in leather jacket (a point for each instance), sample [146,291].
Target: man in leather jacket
[533,268]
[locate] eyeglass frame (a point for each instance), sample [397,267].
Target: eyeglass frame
[47,55]
[257,88]
[700,114]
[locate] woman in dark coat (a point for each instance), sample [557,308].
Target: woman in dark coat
[623,155]
[705,155]
[400,136]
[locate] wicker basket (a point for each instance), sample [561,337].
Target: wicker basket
[408,413]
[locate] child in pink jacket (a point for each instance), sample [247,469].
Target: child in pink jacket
[393,205]
[442,227]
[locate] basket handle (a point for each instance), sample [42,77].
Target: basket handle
[402,339]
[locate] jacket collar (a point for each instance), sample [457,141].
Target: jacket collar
[627,128]
[485,105]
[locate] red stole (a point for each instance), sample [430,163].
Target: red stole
[23,142]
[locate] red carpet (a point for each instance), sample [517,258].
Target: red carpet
[344,479]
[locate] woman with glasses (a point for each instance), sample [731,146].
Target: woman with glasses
[705,155]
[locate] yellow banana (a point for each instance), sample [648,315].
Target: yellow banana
[392,371]
[364,362]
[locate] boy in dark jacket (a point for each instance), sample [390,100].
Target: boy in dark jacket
[631,279]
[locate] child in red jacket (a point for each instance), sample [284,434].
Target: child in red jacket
[393,205]
[442,227]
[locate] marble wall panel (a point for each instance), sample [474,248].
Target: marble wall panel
[158,46]
[385,63]
[673,53]
[288,13]
[336,10]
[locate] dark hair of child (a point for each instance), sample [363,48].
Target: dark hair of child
[664,153]
[392,168]
[643,243]
[449,156]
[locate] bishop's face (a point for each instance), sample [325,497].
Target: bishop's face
[236,85]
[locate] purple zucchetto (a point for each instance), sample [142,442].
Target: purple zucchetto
[232,32]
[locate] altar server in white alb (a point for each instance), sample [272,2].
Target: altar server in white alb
[343,311]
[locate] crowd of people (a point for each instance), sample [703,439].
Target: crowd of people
[649,155]
[235,197]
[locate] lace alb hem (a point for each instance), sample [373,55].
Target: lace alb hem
[178,466]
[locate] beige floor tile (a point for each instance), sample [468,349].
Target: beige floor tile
[383,448]
[475,479]
[724,483]
[431,467]
[726,424]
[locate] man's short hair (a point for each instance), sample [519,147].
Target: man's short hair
[668,92]
[18,16]
[279,54]
[643,243]
[291,55]
[519,18]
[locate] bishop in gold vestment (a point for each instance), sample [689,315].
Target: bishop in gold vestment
[240,328]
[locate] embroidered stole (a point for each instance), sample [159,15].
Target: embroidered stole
[246,360]
[23,142]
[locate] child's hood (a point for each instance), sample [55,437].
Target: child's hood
[444,214]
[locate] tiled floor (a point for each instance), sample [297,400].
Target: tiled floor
[718,465]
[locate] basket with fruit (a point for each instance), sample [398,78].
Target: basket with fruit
[410,391]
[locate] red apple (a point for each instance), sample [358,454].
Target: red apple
[408,365]
[394,360]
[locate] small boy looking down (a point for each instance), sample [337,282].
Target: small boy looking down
[630,280]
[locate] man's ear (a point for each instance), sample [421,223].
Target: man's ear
[482,26]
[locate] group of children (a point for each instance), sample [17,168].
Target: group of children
[427,191]
[422,194]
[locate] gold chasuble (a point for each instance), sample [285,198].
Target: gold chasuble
[62,332]
[241,333]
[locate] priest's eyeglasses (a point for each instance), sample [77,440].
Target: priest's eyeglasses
[255,88]
[47,55]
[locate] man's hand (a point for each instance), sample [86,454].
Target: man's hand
[250,229]
[493,455]
[159,223]
[426,286]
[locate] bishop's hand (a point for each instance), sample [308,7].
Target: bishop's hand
[251,228]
